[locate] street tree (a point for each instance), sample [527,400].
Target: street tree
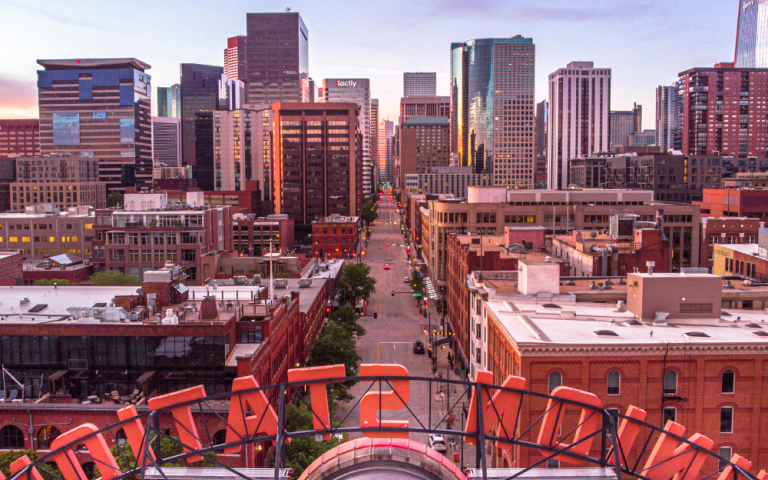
[369,213]
[356,283]
[302,451]
[417,283]
[114,199]
[347,318]
[336,346]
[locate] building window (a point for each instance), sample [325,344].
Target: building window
[46,435]
[120,437]
[726,420]
[11,437]
[670,383]
[555,380]
[552,463]
[219,438]
[614,379]
[729,381]
[668,415]
[726,453]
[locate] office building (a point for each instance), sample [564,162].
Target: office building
[445,181]
[669,121]
[255,236]
[542,117]
[739,202]
[168,102]
[317,162]
[65,181]
[386,154]
[354,90]
[199,98]
[725,230]
[622,124]
[44,230]
[425,142]
[99,108]
[277,60]
[588,172]
[19,137]
[374,143]
[231,93]
[7,176]
[419,84]
[336,236]
[645,138]
[492,108]
[166,141]
[424,107]
[235,57]
[751,29]
[723,110]
[579,106]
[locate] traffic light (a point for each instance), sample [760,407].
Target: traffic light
[327,310]
[426,305]
[393,293]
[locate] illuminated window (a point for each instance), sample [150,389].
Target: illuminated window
[13,239]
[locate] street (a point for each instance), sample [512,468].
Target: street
[389,338]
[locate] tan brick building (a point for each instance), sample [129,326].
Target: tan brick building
[44,231]
[64,180]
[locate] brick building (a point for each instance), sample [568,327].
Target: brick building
[747,180]
[44,230]
[58,267]
[726,202]
[19,137]
[10,268]
[66,181]
[728,231]
[254,235]
[246,202]
[336,237]
[425,142]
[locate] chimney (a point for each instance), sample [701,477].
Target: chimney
[208,308]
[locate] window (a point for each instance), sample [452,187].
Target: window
[726,453]
[555,380]
[46,435]
[670,383]
[219,438]
[614,378]
[668,415]
[11,437]
[552,463]
[729,381]
[120,437]
[726,420]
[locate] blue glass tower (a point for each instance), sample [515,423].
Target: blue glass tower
[752,34]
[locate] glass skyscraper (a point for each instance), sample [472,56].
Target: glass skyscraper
[492,91]
[168,102]
[752,34]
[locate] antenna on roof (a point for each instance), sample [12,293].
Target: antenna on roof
[288,9]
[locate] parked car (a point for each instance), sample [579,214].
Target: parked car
[406,280]
[437,442]
[387,267]
[418,347]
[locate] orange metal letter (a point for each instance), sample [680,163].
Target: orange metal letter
[97,448]
[134,432]
[762,475]
[264,418]
[185,424]
[737,460]
[589,423]
[369,405]
[321,417]
[628,430]
[671,458]
[22,462]
[501,407]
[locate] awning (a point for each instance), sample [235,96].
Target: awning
[444,341]
[58,375]
[145,376]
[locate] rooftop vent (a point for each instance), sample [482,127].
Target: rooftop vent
[621,282]
[728,285]
[609,282]
[661,318]
[37,308]
[593,286]
[571,283]
[760,333]
[697,334]
[633,322]
[754,325]
[606,333]
[725,314]
[551,305]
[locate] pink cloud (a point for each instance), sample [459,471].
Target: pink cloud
[18,98]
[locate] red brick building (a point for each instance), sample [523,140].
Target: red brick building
[721,202]
[336,237]
[11,268]
[20,137]
[728,231]
[59,267]
[253,236]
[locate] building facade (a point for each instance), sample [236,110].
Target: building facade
[386,152]
[623,124]
[742,202]
[419,84]
[751,29]
[579,106]
[424,143]
[168,102]
[374,143]
[44,230]
[19,138]
[336,236]
[235,56]
[255,236]
[277,58]
[669,120]
[542,117]
[99,108]
[492,108]
[587,172]
[424,107]
[725,231]
[645,138]
[166,141]
[446,181]
[65,181]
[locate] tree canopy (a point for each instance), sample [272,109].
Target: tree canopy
[336,346]
[417,283]
[369,213]
[114,278]
[48,282]
[114,199]
[302,451]
[356,283]
[347,318]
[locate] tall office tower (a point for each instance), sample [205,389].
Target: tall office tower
[542,116]
[312,91]
[19,138]
[424,107]
[622,125]
[425,143]
[354,90]
[166,141]
[99,108]
[374,143]
[637,112]
[234,57]
[669,120]
[386,159]
[317,161]
[723,111]
[231,93]
[167,102]
[492,103]
[199,97]
[419,84]
[579,106]
[751,30]
[277,63]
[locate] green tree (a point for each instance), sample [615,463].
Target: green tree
[417,283]
[127,461]
[356,283]
[376,197]
[49,472]
[114,278]
[114,199]
[347,318]
[336,346]
[48,282]
[302,451]
[369,213]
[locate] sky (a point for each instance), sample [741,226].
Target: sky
[646,43]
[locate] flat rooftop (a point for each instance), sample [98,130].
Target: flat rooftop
[86,63]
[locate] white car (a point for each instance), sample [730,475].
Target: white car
[406,279]
[437,442]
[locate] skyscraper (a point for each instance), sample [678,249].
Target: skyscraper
[424,107]
[277,62]
[375,142]
[234,57]
[579,106]
[99,108]
[492,109]
[386,158]
[542,116]
[199,97]
[419,84]
[166,141]
[668,118]
[354,90]
[751,30]
[622,125]
[168,102]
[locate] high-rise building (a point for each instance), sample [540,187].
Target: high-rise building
[386,159]
[234,57]
[313,94]
[637,112]
[723,110]
[643,138]
[166,141]
[277,62]
[424,142]
[19,137]
[669,121]
[579,106]
[424,107]
[622,125]
[419,84]
[542,116]
[167,102]
[231,93]
[751,30]
[375,142]
[99,108]
[66,180]
[317,161]
[492,109]
[354,90]
[199,97]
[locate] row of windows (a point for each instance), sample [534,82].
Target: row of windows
[670,382]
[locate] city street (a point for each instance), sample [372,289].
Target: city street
[389,338]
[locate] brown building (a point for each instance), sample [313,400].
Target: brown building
[20,137]
[11,270]
[336,237]
[747,180]
[726,202]
[726,231]
[66,181]
[587,172]
[317,161]
[424,142]
[253,236]
[43,231]
[424,107]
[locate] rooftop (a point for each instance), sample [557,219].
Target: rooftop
[8,254]
[86,63]
[335,218]
[417,121]
[745,248]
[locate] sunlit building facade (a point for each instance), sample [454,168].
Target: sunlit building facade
[752,34]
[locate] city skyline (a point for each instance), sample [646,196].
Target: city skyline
[332,53]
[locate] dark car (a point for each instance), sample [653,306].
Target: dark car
[418,347]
